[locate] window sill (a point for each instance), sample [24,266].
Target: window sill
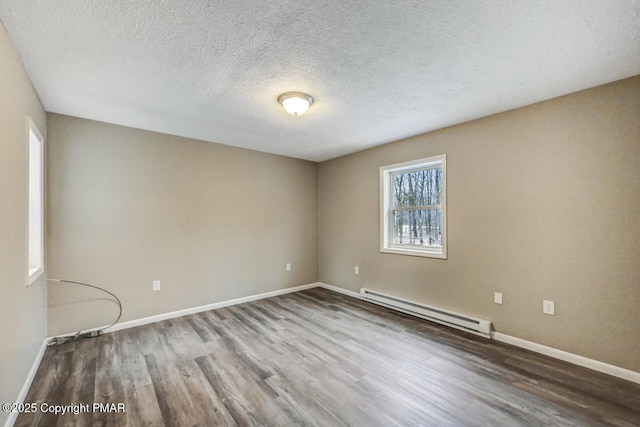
[34,274]
[415,252]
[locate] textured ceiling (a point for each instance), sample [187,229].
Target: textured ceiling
[378,70]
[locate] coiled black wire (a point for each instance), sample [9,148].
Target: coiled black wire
[90,333]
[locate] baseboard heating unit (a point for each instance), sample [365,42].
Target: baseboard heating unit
[438,315]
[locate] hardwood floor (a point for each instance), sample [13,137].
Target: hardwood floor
[318,358]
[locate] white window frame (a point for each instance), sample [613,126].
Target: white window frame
[35,229]
[386,197]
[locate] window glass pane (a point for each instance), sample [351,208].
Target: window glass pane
[36,204]
[417,188]
[420,227]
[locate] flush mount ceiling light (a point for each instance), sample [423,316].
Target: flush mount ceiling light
[295,103]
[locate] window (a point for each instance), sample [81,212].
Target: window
[413,208]
[36,203]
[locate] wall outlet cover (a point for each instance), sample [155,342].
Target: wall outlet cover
[497,297]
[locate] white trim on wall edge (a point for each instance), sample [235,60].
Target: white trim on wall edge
[585,362]
[179,313]
[13,416]
[596,365]
[340,290]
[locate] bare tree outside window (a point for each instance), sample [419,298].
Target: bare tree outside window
[416,208]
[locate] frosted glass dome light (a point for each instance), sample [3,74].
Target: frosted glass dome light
[295,103]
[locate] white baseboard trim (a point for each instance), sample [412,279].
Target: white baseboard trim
[340,290]
[179,313]
[199,309]
[615,371]
[596,365]
[27,383]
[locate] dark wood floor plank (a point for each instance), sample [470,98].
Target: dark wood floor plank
[109,376]
[259,305]
[318,358]
[202,401]
[234,402]
[162,394]
[202,330]
[301,400]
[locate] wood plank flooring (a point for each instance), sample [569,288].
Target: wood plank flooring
[318,358]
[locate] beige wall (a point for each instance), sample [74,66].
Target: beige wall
[212,222]
[543,203]
[22,308]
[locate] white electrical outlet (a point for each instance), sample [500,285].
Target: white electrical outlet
[497,297]
[156,285]
[549,307]
[288,266]
[356,270]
